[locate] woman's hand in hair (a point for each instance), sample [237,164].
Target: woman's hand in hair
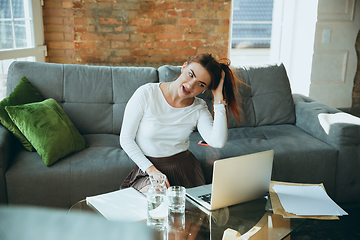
[153,170]
[218,92]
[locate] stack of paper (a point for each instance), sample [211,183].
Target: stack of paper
[125,205]
[307,201]
[303,200]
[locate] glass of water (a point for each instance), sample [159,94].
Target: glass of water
[176,199]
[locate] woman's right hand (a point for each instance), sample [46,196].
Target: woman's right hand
[218,92]
[152,170]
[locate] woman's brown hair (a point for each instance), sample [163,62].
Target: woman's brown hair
[231,82]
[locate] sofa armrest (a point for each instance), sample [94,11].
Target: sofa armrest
[307,112]
[7,147]
[342,135]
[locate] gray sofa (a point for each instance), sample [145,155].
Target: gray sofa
[94,98]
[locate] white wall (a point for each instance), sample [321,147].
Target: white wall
[335,61]
[322,67]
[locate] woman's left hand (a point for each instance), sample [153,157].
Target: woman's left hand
[218,92]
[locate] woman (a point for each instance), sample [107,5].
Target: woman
[161,116]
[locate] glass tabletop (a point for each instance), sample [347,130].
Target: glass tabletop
[253,219]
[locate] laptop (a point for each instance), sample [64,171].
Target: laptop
[235,180]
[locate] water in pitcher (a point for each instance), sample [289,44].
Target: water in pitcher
[157,211]
[157,204]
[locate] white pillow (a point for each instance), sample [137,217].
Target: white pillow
[326,119]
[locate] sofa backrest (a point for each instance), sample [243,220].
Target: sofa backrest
[266,97]
[94,97]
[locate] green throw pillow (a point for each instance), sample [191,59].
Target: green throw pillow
[23,93]
[47,128]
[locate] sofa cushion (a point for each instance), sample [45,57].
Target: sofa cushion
[24,92]
[266,97]
[47,128]
[98,169]
[268,100]
[93,97]
[30,182]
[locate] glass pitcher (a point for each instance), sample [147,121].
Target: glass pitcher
[157,205]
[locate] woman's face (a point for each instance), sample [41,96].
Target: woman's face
[194,79]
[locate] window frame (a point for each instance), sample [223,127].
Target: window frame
[39,49]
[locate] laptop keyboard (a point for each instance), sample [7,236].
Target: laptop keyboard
[206,197]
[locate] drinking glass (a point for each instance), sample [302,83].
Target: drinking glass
[176,199]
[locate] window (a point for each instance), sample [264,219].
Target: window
[15,25]
[251,31]
[21,35]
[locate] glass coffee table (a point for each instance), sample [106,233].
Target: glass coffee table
[253,220]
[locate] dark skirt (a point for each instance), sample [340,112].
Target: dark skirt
[182,169]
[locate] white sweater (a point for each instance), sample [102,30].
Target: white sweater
[151,127]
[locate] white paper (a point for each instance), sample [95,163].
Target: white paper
[307,201]
[126,205]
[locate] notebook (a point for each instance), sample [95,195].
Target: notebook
[235,180]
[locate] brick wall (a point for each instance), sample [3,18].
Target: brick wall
[135,31]
[356,89]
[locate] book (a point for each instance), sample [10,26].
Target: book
[122,205]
